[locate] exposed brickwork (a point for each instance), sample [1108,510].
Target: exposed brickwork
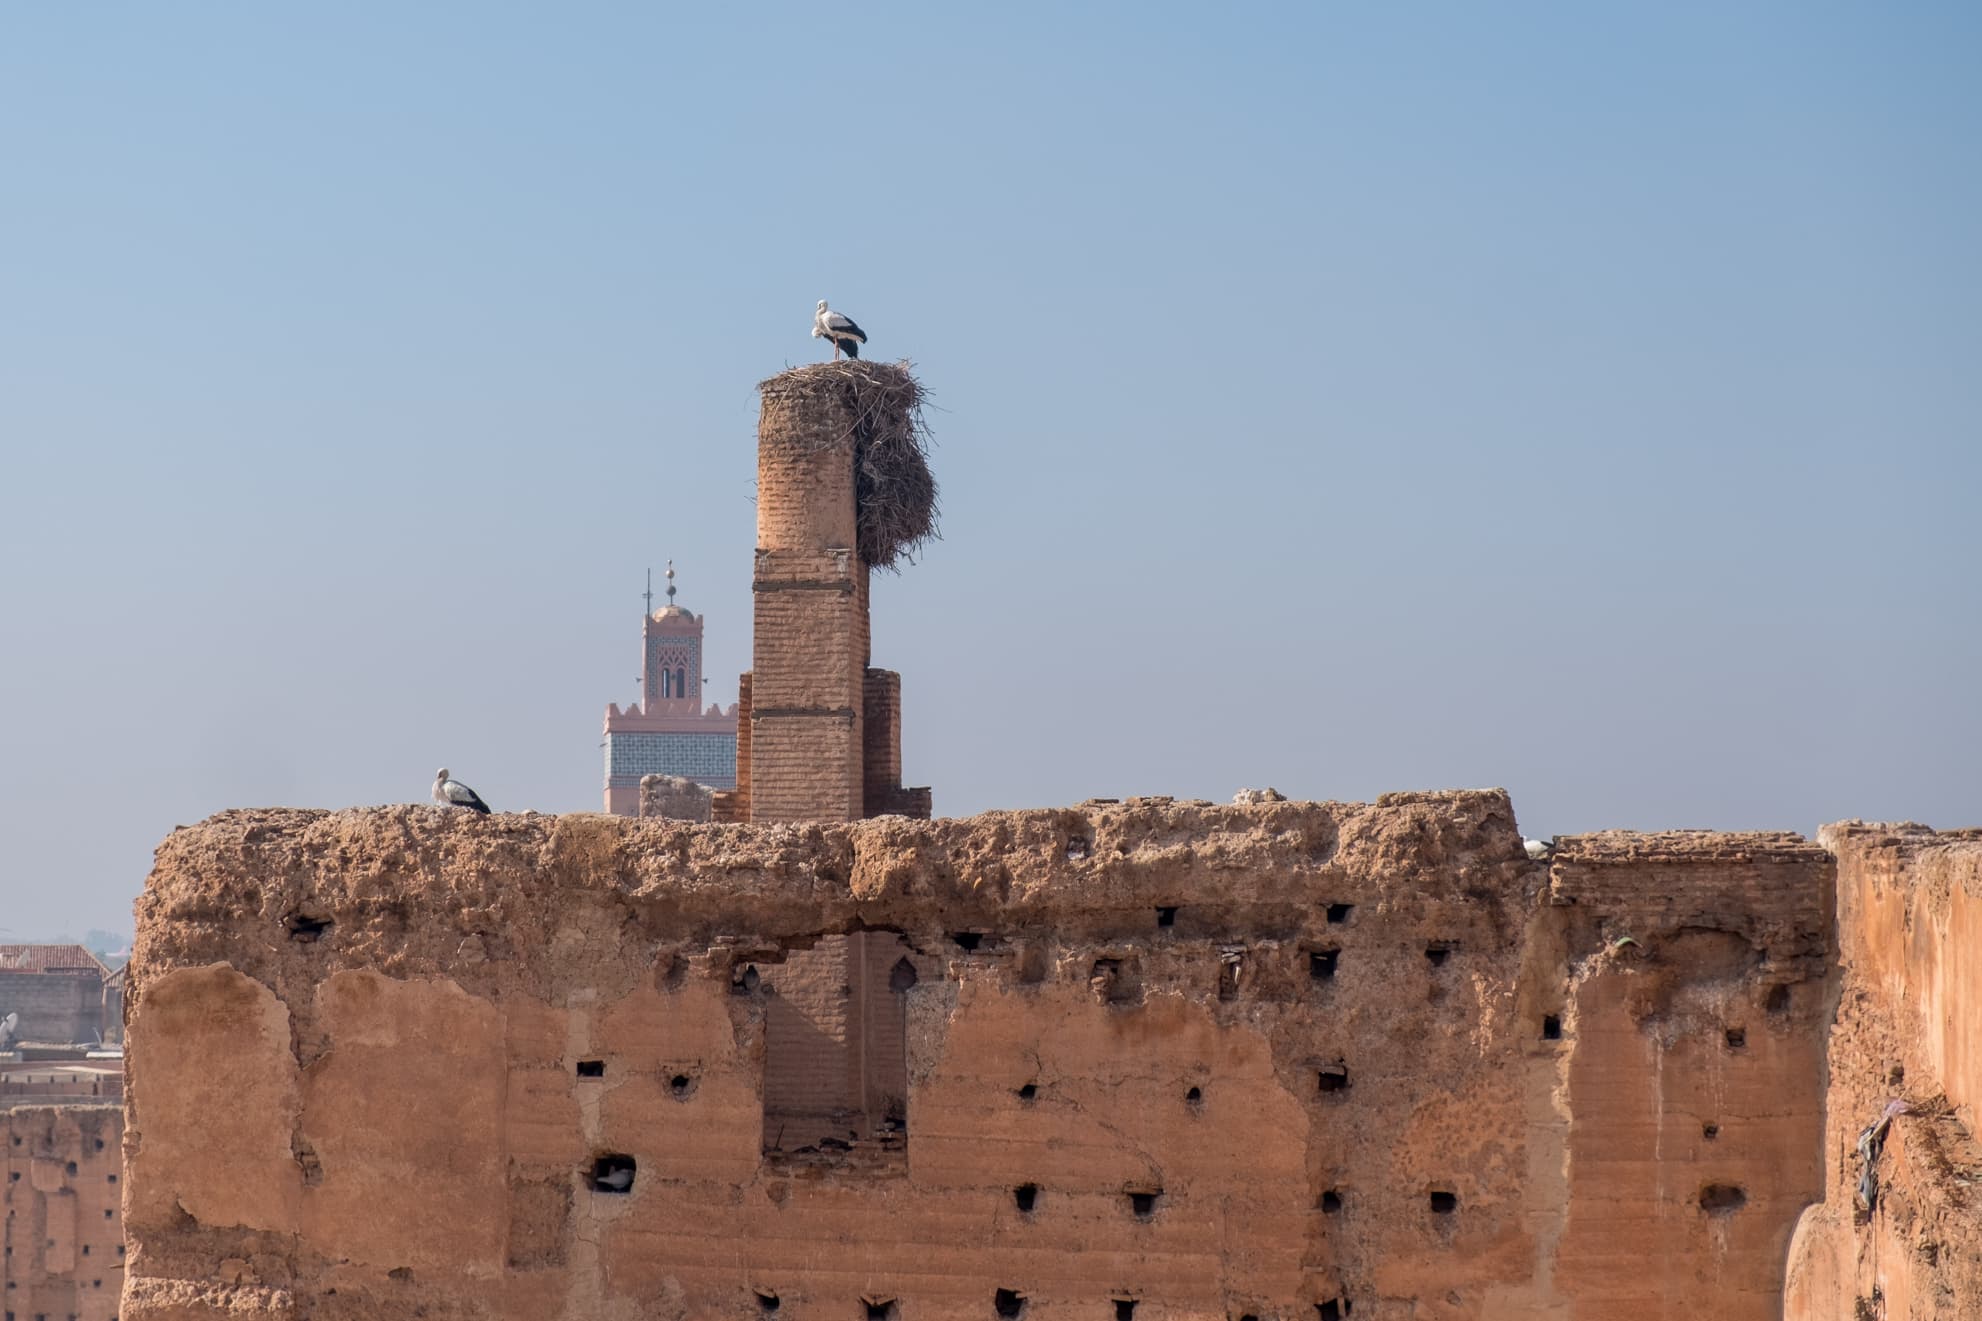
[743,744]
[805,754]
[881,737]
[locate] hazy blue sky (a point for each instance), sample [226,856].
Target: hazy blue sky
[1341,397]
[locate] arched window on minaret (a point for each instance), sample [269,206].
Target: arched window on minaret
[667,683]
[680,682]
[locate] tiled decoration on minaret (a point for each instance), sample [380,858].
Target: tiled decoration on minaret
[668,732]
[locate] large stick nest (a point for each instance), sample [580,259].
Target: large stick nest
[894,491]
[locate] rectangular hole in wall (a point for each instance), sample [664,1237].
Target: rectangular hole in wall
[591,1068]
[1551,1028]
[835,1082]
[1321,963]
[1166,916]
[1331,1201]
[1737,1038]
[1332,1078]
[1338,914]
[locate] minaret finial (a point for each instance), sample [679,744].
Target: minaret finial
[650,591]
[670,582]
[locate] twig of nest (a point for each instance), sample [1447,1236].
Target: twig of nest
[894,491]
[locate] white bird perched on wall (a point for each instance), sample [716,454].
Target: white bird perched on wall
[453,793]
[1536,849]
[828,324]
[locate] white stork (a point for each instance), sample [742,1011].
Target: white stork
[453,793]
[828,324]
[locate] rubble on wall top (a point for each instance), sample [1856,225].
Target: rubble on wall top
[1686,846]
[1906,836]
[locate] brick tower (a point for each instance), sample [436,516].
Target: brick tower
[820,734]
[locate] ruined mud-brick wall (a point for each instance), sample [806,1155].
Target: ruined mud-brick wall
[1907,1244]
[1161,1060]
[64,1229]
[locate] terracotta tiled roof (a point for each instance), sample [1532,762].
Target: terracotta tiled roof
[49,958]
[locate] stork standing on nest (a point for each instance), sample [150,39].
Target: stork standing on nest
[828,324]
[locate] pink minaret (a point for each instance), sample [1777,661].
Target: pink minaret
[668,732]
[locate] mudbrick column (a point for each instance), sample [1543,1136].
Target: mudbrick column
[809,653]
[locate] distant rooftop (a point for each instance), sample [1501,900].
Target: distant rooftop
[49,958]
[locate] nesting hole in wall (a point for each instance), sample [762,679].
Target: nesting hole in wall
[1338,914]
[1025,1197]
[1142,1202]
[1895,1075]
[1332,1310]
[1008,1302]
[1125,1309]
[1194,1098]
[70,1169]
[744,980]
[612,1172]
[1438,952]
[591,1068]
[1710,1131]
[1028,1093]
[1331,1078]
[1114,981]
[1778,999]
[882,1309]
[304,928]
[1722,1199]
[1551,1028]
[967,940]
[1321,963]
[903,977]
[1331,1201]
[767,1301]
[1443,1202]
[681,1086]
[99,1143]
[1078,847]
[1737,1038]
[1166,916]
